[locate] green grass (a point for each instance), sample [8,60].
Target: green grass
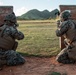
[54,73]
[40,38]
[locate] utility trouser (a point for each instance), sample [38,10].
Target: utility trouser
[63,57]
[10,58]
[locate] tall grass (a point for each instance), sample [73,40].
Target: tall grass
[40,38]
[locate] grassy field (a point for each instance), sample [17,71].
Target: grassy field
[40,38]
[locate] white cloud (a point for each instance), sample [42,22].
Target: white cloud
[51,9]
[20,11]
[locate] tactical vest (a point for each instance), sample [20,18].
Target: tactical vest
[6,42]
[70,35]
[71,38]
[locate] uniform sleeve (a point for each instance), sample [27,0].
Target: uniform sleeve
[17,34]
[63,29]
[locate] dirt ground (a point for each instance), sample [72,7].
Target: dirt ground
[39,66]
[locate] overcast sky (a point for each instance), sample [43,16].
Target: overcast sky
[22,6]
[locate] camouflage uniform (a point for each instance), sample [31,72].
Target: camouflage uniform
[8,44]
[68,31]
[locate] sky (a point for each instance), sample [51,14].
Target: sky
[22,6]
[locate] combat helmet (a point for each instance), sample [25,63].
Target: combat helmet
[65,14]
[11,17]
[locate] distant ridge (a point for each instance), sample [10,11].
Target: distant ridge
[38,15]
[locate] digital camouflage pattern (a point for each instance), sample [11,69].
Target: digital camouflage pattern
[68,31]
[8,44]
[10,58]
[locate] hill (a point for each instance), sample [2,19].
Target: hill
[38,15]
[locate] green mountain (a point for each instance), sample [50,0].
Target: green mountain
[38,15]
